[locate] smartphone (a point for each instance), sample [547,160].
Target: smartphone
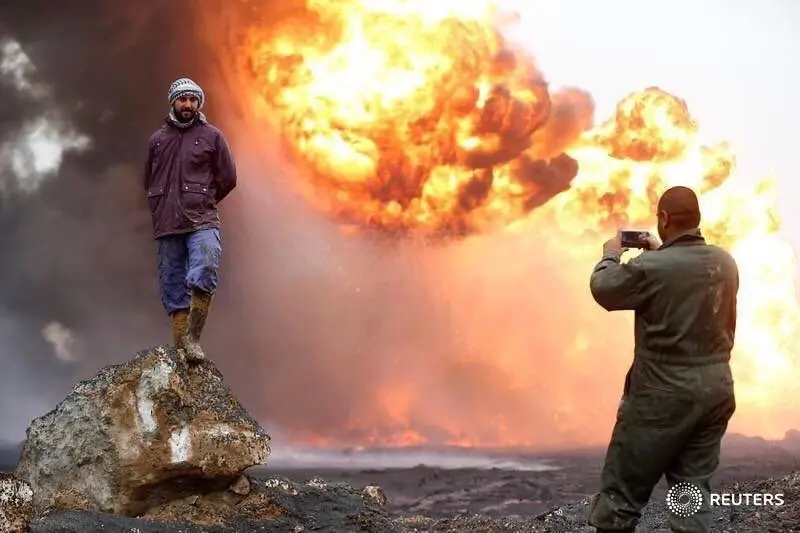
[634,238]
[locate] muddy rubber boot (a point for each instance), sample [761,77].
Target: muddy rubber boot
[180,321]
[198,312]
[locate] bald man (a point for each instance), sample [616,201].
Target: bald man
[678,395]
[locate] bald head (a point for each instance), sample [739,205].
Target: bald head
[678,211]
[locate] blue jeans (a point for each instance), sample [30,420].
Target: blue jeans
[186,262]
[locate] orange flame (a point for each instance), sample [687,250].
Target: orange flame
[417,123]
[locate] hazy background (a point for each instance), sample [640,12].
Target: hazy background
[328,337]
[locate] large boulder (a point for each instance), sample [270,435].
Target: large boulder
[140,434]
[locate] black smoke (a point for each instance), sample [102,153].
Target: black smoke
[78,250]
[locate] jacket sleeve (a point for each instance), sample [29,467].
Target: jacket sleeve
[148,165]
[225,169]
[616,286]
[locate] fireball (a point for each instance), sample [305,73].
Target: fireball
[419,118]
[414,118]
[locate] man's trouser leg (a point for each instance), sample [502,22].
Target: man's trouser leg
[172,270]
[204,253]
[651,428]
[699,460]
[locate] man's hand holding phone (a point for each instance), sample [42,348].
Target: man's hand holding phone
[626,239]
[636,238]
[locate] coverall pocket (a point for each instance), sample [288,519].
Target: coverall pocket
[655,408]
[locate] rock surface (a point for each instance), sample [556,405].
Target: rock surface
[16,504]
[139,434]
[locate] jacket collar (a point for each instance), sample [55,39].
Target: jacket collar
[685,238]
[171,120]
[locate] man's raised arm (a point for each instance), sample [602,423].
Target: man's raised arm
[616,286]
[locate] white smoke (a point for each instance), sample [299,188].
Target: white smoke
[63,341]
[32,151]
[36,151]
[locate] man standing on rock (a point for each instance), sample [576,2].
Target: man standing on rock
[189,171]
[679,393]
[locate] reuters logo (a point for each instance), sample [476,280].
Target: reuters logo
[684,499]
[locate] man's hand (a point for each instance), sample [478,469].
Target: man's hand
[614,245]
[652,242]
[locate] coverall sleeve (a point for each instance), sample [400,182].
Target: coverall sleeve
[225,169]
[616,286]
[734,305]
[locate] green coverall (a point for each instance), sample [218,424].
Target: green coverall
[678,395]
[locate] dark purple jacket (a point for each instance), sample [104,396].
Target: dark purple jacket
[188,172]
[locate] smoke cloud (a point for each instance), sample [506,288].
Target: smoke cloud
[325,336]
[35,150]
